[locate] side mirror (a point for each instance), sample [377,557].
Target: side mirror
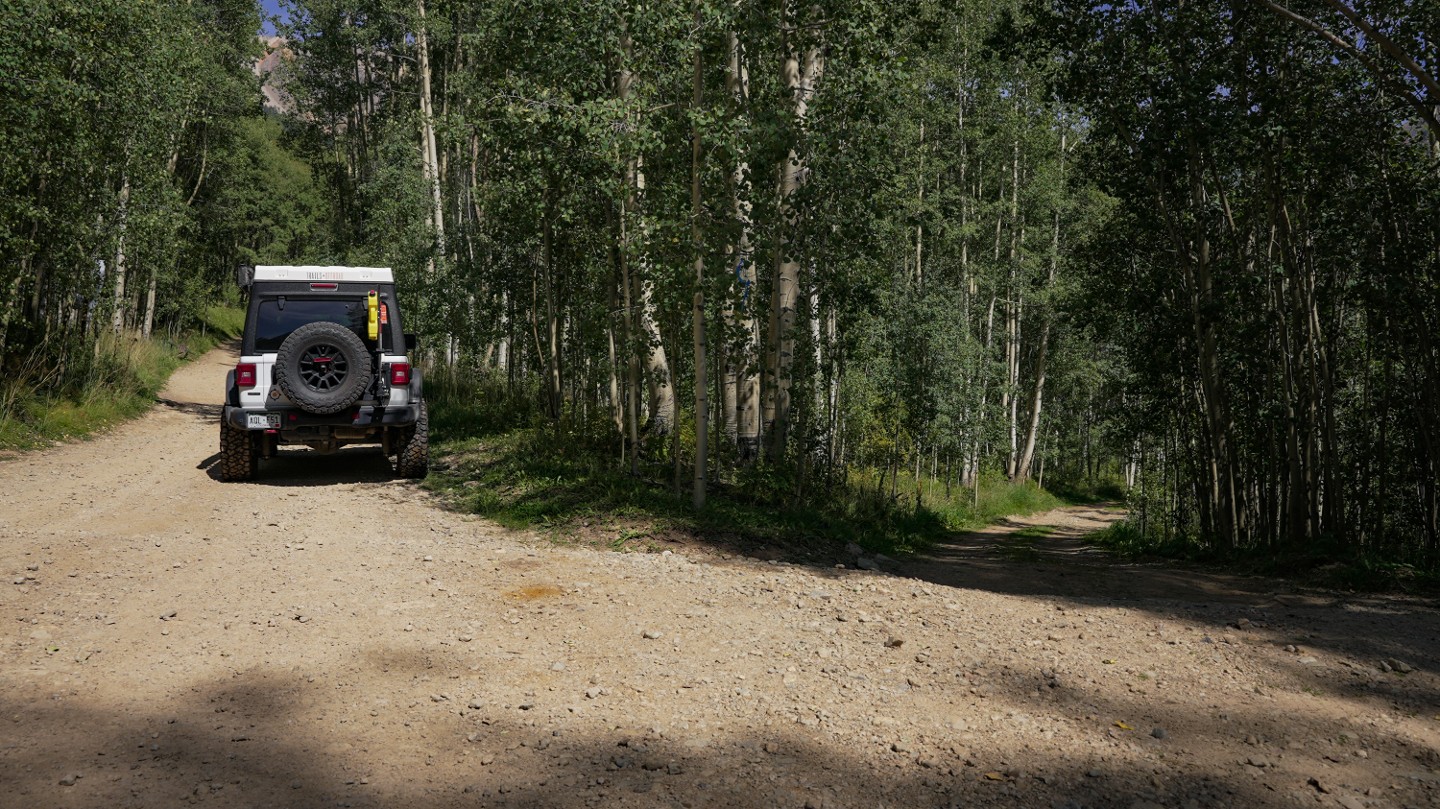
[244,276]
[409,342]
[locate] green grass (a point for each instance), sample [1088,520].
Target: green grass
[494,455]
[120,381]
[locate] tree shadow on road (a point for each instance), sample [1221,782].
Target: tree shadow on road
[270,737]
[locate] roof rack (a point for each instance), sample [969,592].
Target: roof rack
[373,275]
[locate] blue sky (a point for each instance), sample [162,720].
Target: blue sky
[268,8]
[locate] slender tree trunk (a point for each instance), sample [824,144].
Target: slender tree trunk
[800,79]
[1010,398]
[122,219]
[745,364]
[149,321]
[1022,471]
[431,162]
[553,387]
[702,404]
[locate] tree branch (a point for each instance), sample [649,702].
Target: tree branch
[1389,83]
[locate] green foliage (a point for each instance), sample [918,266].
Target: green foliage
[120,382]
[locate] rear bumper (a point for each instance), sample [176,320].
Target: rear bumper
[363,416]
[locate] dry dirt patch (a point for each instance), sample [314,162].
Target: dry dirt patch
[326,637]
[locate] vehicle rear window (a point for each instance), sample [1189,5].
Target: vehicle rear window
[273,323]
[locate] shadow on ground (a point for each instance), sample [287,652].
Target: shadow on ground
[1063,567]
[270,737]
[303,468]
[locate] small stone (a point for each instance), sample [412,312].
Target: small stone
[1258,761]
[557,666]
[593,692]
[167,615]
[475,704]
[18,580]
[853,549]
[466,638]
[428,559]
[304,619]
[866,563]
[69,780]
[1319,787]
[1159,733]
[1093,774]
[651,634]
[894,643]
[1400,666]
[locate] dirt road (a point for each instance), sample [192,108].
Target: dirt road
[328,637]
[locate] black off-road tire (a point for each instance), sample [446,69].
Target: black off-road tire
[412,458]
[239,454]
[323,367]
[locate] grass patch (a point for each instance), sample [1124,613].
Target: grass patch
[48,401]
[523,479]
[495,455]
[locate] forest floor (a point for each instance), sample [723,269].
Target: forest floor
[327,636]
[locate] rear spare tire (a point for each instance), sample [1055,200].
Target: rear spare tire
[323,368]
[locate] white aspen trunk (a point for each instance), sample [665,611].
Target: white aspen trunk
[801,81]
[554,387]
[623,80]
[1012,318]
[974,462]
[1022,471]
[502,353]
[632,359]
[702,403]
[122,216]
[149,321]
[745,369]
[657,364]
[920,228]
[431,160]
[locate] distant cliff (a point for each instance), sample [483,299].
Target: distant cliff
[272,69]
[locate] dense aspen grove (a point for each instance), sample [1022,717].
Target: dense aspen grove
[1187,248]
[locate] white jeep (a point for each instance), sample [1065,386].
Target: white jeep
[324,362]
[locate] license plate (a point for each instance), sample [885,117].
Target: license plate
[263,421]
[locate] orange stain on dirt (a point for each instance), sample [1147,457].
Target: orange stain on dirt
[534,592]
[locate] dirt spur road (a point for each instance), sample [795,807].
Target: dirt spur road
[330,637]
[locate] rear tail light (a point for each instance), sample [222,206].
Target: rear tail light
[324,287]
[399,373]
[245,376]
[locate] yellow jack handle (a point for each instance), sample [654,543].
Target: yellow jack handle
[372,307]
